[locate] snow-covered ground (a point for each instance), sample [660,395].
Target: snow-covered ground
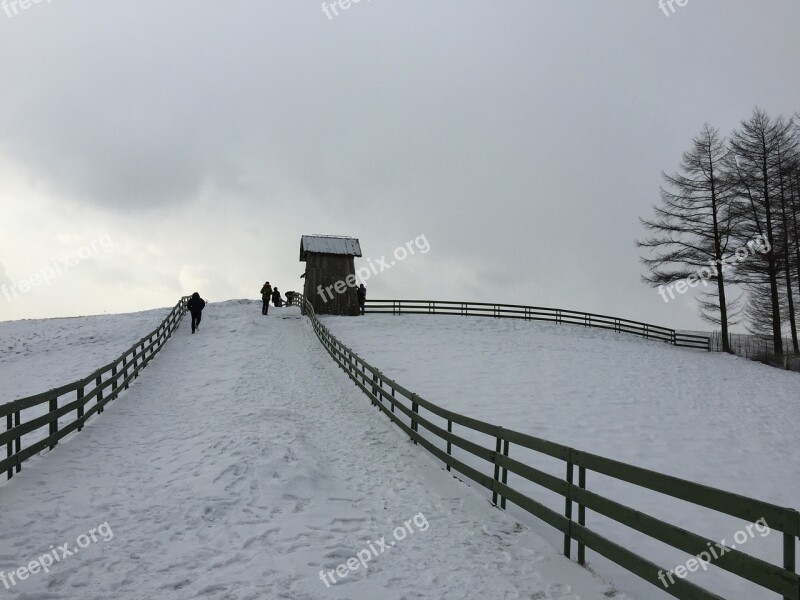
[40,354]
[719,420]
[241,464]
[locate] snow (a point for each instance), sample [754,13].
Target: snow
[38,355]
[58,351]
[240,464]
[711,418]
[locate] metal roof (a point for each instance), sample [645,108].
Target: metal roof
[329,244]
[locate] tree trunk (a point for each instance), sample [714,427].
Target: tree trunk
[777,339]
[787,263]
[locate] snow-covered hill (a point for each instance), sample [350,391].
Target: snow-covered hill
[719,420]
[241,465]
[39,354]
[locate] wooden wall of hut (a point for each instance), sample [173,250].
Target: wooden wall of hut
[325,270]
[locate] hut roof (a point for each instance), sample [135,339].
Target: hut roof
[328,244]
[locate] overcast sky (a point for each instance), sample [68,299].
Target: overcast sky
[151,149]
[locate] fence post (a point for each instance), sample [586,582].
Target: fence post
[505,474]
[498,445]
[18,440]
[125,370]
[374,389]
[581,514]
[80,407]
[10,444]
[97,383]
[415,410]
[449,444]
[114,381]
[54,422]
[393,396]
[136,364]
[788,555]
[568,507]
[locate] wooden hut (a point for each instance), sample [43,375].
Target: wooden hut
[330,277]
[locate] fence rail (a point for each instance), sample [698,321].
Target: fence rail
[116,375]
[538,313]
[397,402]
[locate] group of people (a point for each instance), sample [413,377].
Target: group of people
[268,293]
[196,304]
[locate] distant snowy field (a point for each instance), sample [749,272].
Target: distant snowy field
[715,419]
[36,355]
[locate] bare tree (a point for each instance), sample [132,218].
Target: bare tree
[785,153]
[755,146]
[794,195]
[692,228]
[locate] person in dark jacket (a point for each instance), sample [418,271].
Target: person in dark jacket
[266,295]
[196,305]
[289,297]
[276,298]
[362,298]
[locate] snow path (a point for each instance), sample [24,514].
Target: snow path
[240,464]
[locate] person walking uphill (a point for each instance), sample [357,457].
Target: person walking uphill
[196,305]
[266,296]
[276,298]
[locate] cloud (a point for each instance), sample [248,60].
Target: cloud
[524,142]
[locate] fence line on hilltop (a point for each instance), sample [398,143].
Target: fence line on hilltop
[539,313]
[127,367]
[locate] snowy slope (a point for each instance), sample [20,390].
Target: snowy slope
[711,418]
[240,465]
[36,355]
[39,354]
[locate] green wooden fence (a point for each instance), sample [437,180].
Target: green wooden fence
[538,313]
[398,402]
[116,375]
